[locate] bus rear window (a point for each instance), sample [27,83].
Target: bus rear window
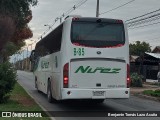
[95,34]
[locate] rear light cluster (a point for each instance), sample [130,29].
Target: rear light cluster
[128,76]
[119,21]
[75,18]
[65,75]
[119,45]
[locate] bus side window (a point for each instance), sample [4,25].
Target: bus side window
[54,44]
[51,43]
[42,51]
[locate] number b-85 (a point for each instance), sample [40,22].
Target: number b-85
[79,51]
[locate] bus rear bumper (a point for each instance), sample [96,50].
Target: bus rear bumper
[68,93]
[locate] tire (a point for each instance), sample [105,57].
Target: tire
[36,86]
[49,93]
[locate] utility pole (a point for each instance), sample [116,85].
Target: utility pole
[97,11]
[27,59]
[23,66]
[29,62]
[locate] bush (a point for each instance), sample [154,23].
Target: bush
[136,80]
[7,80]
[148,92]
[155,93]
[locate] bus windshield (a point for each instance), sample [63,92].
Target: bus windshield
[94,34]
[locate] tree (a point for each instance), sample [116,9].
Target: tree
[7,28]
[19,10]
[8,79]
[139,48]
[22,34]
[14,16]
[10,49]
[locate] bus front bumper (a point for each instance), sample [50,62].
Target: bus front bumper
[70,93]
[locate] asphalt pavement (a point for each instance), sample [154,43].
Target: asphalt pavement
[26,80]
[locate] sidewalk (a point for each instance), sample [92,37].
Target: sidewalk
[137,91]
[146,86]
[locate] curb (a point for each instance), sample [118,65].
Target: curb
[147,97]
[52,118]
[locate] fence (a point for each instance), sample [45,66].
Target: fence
[148,71]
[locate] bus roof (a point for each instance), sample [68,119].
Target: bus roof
[49,38]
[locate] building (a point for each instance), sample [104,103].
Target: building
[147,65]
[156,49]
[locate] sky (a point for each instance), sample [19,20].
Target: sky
[48,10]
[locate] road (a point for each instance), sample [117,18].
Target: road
[26,79]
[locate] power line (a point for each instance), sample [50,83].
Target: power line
[142,15]
[62,16]
[59,18]
[117,7]
[144,20]
[73,8]
[145,25]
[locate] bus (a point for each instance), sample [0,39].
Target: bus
[83,58]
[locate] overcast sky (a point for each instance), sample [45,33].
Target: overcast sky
[48,10]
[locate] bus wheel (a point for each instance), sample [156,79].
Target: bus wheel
[49,93]
[36,84]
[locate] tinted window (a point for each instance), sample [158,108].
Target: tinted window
[95,34]
[51,43]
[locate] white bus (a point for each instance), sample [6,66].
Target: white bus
[83,58]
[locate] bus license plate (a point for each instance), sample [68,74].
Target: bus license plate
[98,93]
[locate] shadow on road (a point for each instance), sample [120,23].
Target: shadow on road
[80,105]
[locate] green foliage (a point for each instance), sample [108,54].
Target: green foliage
[136,80]
[14,17]
[148,92]
[17,9]
[7,81]
[139,48]
[10,49]
[155,93]
[21,101]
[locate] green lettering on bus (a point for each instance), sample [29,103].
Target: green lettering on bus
[89,69]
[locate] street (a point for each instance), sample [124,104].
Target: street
[26,79]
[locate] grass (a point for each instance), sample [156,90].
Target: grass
[155,93]
[21,101]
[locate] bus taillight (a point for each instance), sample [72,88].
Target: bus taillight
[119,21]
[65,75]
[128,76]
[75,18]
